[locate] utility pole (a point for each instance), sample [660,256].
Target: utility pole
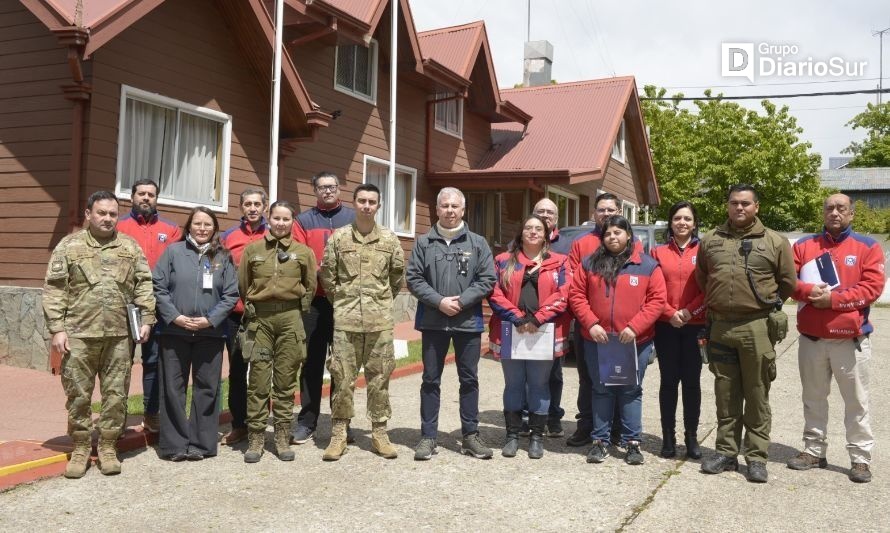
[528,22]
[880,35]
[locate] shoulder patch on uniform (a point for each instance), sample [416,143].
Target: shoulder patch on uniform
[57,265]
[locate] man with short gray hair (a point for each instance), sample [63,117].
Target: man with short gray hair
[451,271]
[834,329]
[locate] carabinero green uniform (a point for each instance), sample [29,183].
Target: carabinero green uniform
[741,352]
[276,279]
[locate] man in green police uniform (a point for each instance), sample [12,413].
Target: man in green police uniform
[362,273]
[92,276]
[747,271]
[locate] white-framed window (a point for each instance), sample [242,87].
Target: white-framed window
[183,147]
[355,71]
[497,216]
[398,213]
[629,211]
[566,206]
[618,148]
[450,115]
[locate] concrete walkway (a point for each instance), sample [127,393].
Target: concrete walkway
[560,492]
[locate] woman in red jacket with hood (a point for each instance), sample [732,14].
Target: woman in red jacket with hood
[676,332]
[531,290]
[617,293]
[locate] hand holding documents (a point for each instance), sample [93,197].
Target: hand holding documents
[536,346]
[618,363]
[134,317]
[820,270]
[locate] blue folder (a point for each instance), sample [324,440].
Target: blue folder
[617,362]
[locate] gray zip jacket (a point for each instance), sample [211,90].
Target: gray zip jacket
[463,268]
[179,289]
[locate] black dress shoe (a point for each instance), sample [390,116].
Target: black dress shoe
[581,437]
[194,455]
[177,457]
[757,472]
[719,463]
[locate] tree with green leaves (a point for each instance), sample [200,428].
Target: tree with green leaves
[874,151]
[698,154]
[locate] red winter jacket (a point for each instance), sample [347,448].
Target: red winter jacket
[683,292]
[859,262]
[637,299]
[554,279]
[588,243]
[153,234]
[235,239]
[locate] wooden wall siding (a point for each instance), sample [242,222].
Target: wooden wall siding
[180,50]
[35,145]
[621,179]
[363,129]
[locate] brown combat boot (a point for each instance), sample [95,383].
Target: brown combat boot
[282,441]
[80,456]
[255,442]
[107,452]
[337,447]
[380,441]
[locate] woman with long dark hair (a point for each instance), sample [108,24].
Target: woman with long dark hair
[531,291]
[617,293]
[676,332]
[196,287]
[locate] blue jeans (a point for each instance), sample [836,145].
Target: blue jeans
[533,377]
[467,349]
[629,398]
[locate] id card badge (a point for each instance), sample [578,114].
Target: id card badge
[208,275]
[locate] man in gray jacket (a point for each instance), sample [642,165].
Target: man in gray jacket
[451,271]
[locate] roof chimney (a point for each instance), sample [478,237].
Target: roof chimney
[537,63]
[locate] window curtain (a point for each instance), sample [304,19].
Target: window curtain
[402,203]
[196,178]
[148,142]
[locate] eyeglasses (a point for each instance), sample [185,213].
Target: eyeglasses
[326,188]
[602,211]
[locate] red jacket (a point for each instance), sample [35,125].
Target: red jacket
[859,262]
[637,299]
[588,243]
[153,234]
[235,239]
[553,287]
[683,292]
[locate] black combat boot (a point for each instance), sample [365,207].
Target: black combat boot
[668,443]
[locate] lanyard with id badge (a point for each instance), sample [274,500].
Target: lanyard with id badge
[208,275]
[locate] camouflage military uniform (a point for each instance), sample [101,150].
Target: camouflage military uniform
[88,286]
[361,275]
[275,292]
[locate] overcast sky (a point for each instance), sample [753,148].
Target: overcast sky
[677,45]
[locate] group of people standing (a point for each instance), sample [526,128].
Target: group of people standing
[288,294]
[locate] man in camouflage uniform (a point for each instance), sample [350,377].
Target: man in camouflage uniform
[362,273]
[92,276]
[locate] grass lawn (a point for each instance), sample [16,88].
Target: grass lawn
[135,406]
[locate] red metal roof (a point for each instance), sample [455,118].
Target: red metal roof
[361,9]
[455,47]
[574,127]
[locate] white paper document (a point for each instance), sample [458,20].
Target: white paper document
[536,346]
